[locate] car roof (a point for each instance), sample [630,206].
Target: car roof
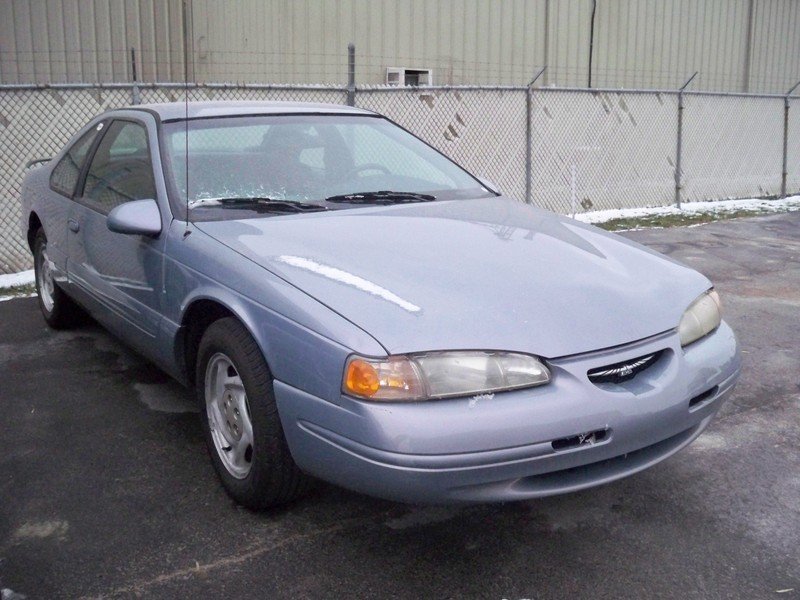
[168,111]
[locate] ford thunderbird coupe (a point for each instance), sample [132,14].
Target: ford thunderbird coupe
[351,305]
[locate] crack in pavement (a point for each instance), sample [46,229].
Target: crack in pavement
[243,556]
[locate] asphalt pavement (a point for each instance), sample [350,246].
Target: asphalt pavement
[106,489]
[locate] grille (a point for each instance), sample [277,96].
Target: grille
[623,371]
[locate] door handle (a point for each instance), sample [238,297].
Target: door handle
[74,226]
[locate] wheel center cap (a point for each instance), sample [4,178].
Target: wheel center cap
[233,417]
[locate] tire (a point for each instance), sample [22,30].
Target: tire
[240,419]
[58,309]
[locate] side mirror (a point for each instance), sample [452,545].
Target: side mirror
[139,217]
[490,185]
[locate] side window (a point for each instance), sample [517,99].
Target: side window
[121,169]
[66,172]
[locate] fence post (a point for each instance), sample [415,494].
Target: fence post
[785,170]
[351,74]
[679,149]
[529,135]
[135,97]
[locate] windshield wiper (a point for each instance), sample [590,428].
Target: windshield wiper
[260,204]
[382,197]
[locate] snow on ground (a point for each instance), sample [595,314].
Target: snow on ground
[15,279]
[14,297]
[688,208]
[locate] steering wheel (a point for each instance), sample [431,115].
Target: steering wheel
[367,167]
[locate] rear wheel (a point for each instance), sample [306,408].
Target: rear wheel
[57,308]
[240,419]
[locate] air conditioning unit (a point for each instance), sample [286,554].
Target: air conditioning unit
[404,76]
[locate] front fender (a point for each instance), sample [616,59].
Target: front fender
[304,343]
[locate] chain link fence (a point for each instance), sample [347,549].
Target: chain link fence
[567,150]
[603,149]
[733,147]
[482,129]
[793,146]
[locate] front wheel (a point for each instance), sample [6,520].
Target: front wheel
[240,419]
[57,308]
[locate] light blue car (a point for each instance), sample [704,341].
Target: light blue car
[351,305]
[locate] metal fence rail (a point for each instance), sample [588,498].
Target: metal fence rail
[568,150]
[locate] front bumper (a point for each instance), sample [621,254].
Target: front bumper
[501,447]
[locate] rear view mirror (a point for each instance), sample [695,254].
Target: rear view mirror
[140,217]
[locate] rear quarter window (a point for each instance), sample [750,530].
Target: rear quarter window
[65,174]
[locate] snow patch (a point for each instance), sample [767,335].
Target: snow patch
[15,279]
[714,207]
[14,297]
[479,397]
[41,530]
[348,279]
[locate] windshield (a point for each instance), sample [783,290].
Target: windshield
[255,165]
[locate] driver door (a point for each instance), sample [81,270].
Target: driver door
[119,276]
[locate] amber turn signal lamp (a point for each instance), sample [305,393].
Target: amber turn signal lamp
[361,378]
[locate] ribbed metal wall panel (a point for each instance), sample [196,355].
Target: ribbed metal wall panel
[463,41]
[775,61]
[736,45]
[568,25]
[660,44]
[60,41]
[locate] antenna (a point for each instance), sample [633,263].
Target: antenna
[187,46]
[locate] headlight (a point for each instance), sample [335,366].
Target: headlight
[441,375]
[701,318]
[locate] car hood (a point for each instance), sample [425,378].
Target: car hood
[490,274]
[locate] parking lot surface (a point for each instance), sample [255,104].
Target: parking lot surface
[106,489]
